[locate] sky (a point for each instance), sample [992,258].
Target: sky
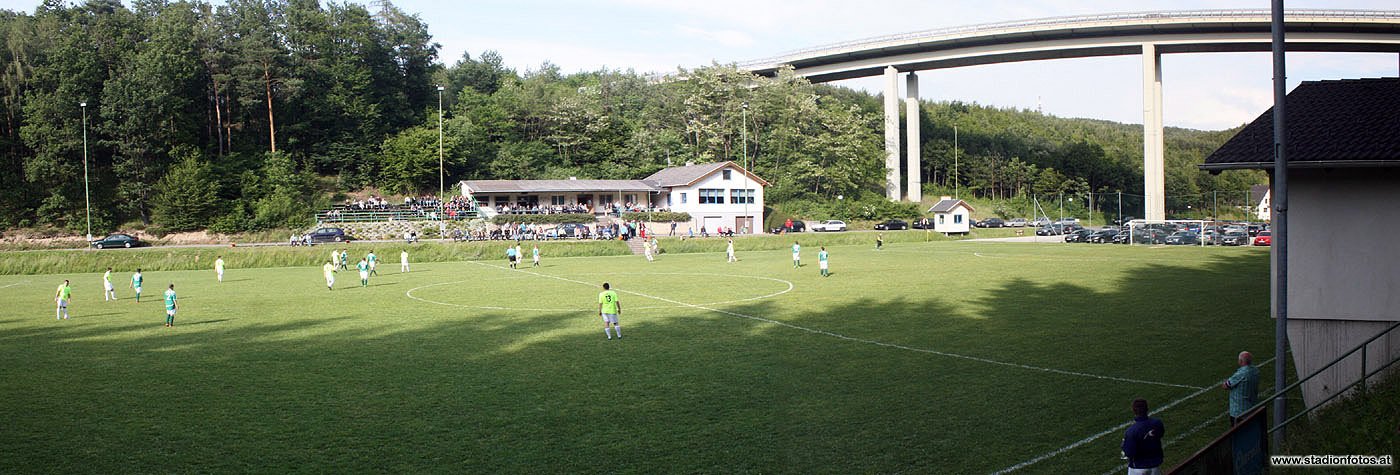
[1209,91]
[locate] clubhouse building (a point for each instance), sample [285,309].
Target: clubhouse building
[720,194]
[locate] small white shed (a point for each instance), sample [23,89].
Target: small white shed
[951,216]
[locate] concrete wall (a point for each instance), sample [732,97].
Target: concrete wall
[1343,284]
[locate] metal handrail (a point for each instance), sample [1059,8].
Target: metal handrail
[1364,376]
[1068,22]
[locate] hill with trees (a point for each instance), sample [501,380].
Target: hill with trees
[249,114]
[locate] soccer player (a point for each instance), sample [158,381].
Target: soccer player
[363,266]
[329,271]
[373,263]
[510,256]
[609,308]
[796,255]
[646,249]
[65,293]
[136,283]
[519,253]
[219,267]
[821,262]
[403,261]
[109,292]
[335,257]
[170,306]
[537,256]
[879,241]
[344,260]
[730,250]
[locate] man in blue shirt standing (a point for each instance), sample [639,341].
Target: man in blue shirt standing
[1243,387]
[1142,443]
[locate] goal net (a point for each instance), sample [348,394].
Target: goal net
[1191,232]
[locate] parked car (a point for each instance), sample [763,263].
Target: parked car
[1016,223]
[922,223]
[118,240]
[829,225]
[1121,237]
[330,235]
[1149,236]
[1081,235]
[797,227]
[1050,230]
[1264,238]
[1104,235]
[991,223]
[892,224]
[1234,238]
[1038,222]
[1123,221]
[1181,238]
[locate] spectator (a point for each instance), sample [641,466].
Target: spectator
[1142,443]
[1243,387]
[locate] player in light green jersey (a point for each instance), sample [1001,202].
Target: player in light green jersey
[609,308]
[328,271]
[64,294]
[822,262]
[109,292]
[363,266]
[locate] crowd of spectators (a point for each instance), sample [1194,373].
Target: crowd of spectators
[413,208]
[535,208]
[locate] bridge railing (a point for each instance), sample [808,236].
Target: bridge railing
[1066,22]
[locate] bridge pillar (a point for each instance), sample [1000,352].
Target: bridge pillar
[892,133]
[913,188]
[1153,145]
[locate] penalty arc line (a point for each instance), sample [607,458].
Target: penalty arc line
[870,342]
[1046,456]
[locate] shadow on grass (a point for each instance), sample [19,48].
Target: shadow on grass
[419,388]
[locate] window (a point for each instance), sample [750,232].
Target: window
[957,219]
[741,196]
[711,196]
[556,200]
[727,174]
[682,198]
[668,200]
[629,199]
[940,218]
[605,199]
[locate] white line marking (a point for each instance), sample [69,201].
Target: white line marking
[22,282]
[1119,427]
[789,288]
[862,340]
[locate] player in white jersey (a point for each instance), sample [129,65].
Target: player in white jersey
[109,292]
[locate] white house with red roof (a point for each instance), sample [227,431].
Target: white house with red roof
[720,194]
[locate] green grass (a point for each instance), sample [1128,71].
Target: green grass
[1359,424]
[482,369]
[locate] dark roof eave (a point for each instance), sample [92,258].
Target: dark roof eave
[1269,165]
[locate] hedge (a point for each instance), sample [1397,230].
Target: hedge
[569,218]
[657,216]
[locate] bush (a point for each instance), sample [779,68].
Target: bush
[657,216]
[186,197]
[567,218]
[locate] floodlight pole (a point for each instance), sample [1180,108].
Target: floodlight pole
[1280,221]
[442,188]
[87,196]
[745,125]
[955,162]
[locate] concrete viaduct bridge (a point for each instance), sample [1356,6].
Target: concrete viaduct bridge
[1149,34]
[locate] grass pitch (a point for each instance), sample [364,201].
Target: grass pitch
[947,357]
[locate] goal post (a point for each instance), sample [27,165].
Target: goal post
[1156,231]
